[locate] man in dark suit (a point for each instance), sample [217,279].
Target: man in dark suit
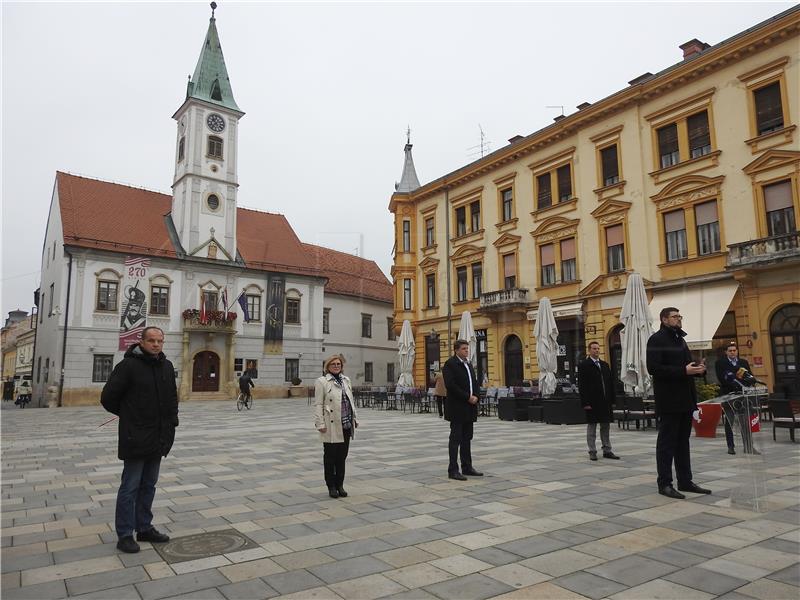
[670,363]
[727,369]
[461,409]
[596,388]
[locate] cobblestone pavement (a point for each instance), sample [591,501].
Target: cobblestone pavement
[543,523]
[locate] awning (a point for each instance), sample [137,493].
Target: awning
[702,307]
[560,311]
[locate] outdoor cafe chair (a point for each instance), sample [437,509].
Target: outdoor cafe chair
[786,415]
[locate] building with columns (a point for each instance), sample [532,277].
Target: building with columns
[115,253]
[688,176]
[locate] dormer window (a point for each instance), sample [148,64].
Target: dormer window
[214,147]
[216,92]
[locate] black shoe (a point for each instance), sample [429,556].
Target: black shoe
[610,455]
[471,472]
[670,492]
[333,492]
[127,545]
[154,536]
[731,451]
[457,476]
[592,455]
[342,493]
[694,488]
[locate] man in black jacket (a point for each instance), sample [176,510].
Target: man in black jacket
[670,363]
[596,388]
[141,391]
[461,409]
[727,369]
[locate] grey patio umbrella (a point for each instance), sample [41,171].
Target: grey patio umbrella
[638,322]
[546,333]
[466,332]
[406,349]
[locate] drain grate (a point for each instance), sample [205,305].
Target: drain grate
[204,545]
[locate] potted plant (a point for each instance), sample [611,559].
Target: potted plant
[296,389]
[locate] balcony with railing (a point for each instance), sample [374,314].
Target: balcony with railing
[504,299]
[765,251]
[213,320]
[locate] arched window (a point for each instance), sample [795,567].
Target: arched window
[106,298]
[159,295]
[181,148]
[214,146]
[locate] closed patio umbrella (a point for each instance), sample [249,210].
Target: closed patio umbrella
[466,332]
[406,349]
[638,327]
[546,333]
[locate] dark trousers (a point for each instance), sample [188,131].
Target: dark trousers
[743,423]
[135,496]
[333,459]
[440,405]
[460,443]
[674,430]
[728,432]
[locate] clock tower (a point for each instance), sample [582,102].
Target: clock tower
[205,183]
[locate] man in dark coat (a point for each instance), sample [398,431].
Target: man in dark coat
[245,383]
[461,409]
[727,369]
[670,363]
[141,391]
[596,388]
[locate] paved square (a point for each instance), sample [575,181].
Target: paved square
[544,522]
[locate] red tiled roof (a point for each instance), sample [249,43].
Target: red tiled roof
[120,218]
[350,275]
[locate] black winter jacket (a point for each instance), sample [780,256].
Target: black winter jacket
[142,393]
[596,388]
[667,357]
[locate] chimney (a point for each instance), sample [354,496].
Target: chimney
[559,117]
[693,48]
[640,78]
[515,139]
[583,105]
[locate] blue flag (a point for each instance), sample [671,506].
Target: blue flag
[243,303]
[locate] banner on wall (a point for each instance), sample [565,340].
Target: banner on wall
[273,326]
[134,301]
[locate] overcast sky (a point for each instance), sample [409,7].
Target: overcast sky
[328,88]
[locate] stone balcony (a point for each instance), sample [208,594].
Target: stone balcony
[764,251]
[216,321]
[504,299]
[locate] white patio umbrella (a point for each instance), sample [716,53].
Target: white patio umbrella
[466,332]
[638,322]
[546,333]
[406,348]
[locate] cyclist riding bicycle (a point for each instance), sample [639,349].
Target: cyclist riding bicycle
[245,383]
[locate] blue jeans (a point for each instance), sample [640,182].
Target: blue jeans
[135,497]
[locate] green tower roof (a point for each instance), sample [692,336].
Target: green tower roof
[210,81]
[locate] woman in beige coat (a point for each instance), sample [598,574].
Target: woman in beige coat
[335,419]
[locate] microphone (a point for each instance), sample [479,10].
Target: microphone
[746,377]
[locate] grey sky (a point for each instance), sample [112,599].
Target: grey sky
[328,89]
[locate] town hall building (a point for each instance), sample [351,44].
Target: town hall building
[233,289]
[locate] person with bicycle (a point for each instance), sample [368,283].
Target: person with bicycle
[245,383]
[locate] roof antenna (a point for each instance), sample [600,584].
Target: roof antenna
[557,106]
[484,147]
[213,8]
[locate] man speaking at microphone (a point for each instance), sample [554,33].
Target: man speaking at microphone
[731,372]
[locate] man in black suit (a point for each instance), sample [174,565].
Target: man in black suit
[670,363]
[727,369]
[461,409]
[596,388]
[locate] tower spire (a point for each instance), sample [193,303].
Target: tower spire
[408,181]
[210,81]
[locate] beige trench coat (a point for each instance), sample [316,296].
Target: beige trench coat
[328,408]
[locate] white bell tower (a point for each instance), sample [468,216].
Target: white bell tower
[206,182]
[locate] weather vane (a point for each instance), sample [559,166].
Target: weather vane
[213,8]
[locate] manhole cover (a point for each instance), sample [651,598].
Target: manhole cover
[203,545]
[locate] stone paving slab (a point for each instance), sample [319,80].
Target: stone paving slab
[544,522]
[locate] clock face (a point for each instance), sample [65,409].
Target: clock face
[215,122]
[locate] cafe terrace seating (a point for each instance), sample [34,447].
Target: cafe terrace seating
[785,415]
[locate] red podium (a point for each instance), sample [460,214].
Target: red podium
[710,415]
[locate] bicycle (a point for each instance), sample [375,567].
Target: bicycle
[244,401]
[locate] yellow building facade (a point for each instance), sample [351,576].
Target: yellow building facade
[689,177]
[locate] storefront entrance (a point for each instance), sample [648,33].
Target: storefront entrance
[784,332]
[205,372]
[432,359]
[512,353]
